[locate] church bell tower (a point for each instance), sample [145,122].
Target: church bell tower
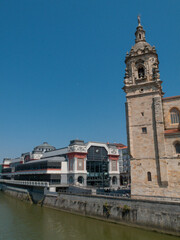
[144,115]
[142,67]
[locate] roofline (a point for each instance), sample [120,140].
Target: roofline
[172,131]
[169,98]
[118,144]
[57,149]
[122,147]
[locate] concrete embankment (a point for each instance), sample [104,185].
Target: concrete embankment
[19,193]
[30,195]
[157,216]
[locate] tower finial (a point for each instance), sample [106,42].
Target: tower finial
[140,33]
[139,20]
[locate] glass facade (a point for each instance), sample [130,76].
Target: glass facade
[34,166]
[38,166]
[97,167]
[51,178]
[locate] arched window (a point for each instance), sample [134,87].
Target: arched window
[114,180]
[174,116]
[149,176]
[141,72]
[80,179]
[177,147]
[71,180]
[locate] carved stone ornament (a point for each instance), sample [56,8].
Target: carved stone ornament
[113,151]
[77,148]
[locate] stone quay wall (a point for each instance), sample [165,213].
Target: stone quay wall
[19,193]
[158,216]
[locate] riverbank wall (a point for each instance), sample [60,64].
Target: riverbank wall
[19,193]
[157,216]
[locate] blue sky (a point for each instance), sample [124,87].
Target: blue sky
[62,67]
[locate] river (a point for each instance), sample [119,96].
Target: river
[23,221]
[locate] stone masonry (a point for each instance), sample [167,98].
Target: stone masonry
[152,126]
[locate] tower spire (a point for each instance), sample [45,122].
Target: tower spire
[139,20]
[140,33]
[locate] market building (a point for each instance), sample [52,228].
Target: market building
[82,164]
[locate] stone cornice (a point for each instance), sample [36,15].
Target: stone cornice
[143,94]
[136,55]
[142,84]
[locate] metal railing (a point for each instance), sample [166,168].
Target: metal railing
[111,194]
[27,183]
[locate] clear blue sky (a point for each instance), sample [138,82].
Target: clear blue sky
[62,67]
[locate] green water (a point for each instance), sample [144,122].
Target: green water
[22,221]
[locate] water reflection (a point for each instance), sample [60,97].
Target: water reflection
[20,221]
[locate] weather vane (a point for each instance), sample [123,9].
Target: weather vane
[139,19]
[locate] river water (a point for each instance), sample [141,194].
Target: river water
[23,221]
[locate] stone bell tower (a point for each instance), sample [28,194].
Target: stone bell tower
[145,121]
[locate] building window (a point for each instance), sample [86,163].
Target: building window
[141,72]
[71,179]
[80,164]
[114,165]
[114,180]
[177,148]
[71,164]
[149,176]
[174,116]
[144,130]
[80,179]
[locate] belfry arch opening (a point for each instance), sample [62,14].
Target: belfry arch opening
[141,72]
